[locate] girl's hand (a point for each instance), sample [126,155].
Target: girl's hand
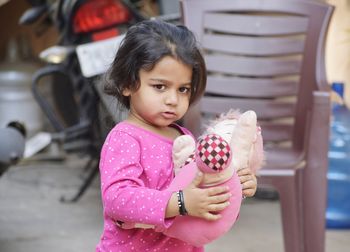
[248,181]
[205,203]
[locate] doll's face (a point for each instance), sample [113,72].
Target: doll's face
[224,129]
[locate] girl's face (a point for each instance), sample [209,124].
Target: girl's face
[164,94]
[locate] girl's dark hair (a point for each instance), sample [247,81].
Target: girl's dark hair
[144,45]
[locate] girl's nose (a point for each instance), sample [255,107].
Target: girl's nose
[171,98]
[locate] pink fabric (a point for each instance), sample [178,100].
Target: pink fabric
[197,231]
[136,168]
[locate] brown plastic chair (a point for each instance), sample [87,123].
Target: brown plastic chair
[268,55]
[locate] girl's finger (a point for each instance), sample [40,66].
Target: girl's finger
[248,184]
[218,207]
[198,179]
[211,217]
[220,198]
[249,192]
[217,190]
[245,178]
[244,171]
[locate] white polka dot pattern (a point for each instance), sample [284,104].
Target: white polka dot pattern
[135,170]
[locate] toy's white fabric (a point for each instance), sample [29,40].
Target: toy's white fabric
[245,142]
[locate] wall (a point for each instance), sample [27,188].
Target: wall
[338,46]
[10,13]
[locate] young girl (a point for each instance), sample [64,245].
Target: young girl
[157,73]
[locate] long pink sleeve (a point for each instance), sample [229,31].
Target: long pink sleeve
[125,195]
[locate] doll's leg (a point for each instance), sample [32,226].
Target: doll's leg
[183,147]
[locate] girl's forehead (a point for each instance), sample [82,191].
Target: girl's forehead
[169,69]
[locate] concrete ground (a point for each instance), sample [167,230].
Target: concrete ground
[33,219]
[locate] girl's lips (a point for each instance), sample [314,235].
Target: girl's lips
[169,115]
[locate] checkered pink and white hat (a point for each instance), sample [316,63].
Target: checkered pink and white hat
[213,153]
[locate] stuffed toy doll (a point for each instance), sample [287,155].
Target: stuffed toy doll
[230,143]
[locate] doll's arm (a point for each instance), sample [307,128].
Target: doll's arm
[183,148]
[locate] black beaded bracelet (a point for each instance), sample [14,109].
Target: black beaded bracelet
[181,203]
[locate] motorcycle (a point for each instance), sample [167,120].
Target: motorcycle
[89,34]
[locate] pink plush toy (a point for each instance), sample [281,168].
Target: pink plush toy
[231,143]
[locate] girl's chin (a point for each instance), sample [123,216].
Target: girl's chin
[158,123]
[161,121]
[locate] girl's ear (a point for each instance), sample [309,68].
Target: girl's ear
[126,92]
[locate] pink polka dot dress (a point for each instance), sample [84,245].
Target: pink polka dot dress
[136,168]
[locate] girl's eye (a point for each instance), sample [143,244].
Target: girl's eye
[184,90]
[159,86]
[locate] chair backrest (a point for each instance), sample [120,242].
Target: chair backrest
[264,55]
